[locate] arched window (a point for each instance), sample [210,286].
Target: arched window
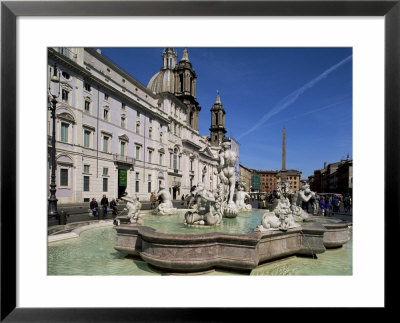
[191,118]
[181,81]
[216,118]
[175,162]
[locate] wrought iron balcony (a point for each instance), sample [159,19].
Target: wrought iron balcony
[124,159]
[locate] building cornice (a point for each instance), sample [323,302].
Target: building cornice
[128,77]
[60,58]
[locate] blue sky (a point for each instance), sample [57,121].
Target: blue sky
[306,90]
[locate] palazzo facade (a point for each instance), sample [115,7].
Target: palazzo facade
[114,134]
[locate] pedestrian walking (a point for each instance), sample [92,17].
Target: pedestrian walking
[327,207]
[94,207]
[346,203]
[104,203]
[183,199]
[335,204]
[322,205]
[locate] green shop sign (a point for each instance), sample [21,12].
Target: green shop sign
[122,177]
[255,181]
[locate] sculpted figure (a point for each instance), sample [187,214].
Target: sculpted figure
[279,217]
[303,195]
[133,207]
[241,195]
[226,169]
[207,208]
[165,207]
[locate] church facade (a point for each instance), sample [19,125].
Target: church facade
[114,134]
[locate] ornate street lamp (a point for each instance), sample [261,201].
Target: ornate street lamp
[52,210]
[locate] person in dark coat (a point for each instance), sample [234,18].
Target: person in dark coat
[104,204]
[94,207]
[322,205]
[113,206]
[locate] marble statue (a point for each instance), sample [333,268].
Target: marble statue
[279,216]
[226,169]
[240,197]
[165,207]
[208,207]
[133,207]
[303,195]
[226,173]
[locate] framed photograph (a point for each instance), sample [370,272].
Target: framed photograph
[36,38]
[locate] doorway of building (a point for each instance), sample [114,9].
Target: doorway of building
[122,181]
[174,190]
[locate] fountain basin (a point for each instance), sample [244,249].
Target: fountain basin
[200,252]
[336,234]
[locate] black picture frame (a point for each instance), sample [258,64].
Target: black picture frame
[10,10]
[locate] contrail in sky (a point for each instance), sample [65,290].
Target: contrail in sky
[292,97]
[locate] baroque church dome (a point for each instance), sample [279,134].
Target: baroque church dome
[164,80]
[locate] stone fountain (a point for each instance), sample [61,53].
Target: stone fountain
[279,234]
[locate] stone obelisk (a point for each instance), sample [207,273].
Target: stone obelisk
[282,174]
[284,150]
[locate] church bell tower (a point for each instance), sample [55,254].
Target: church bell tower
[217,129]
[185,90]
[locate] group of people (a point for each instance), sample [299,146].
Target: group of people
[112,206]
[328,204]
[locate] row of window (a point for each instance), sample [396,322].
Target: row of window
[65,97]
[106,142]
[123,123]
[64,180]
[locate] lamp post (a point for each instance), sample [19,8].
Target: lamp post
[52,210]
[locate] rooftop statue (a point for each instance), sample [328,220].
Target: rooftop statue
[165,207]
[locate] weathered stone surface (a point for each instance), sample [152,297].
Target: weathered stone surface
[191,253]
[312,240]
[336,234]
